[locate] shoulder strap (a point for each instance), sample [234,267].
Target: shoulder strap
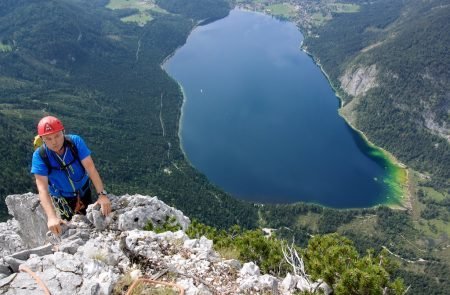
[44,157]
[73,148]
[71,145]
[68,142]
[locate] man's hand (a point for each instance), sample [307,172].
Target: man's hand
[105,204]
[54,225]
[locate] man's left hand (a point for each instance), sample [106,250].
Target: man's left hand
[105,204]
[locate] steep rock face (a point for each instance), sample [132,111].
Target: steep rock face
[94,253]
[441,129]
[10,241]
[31,218]
[358,80]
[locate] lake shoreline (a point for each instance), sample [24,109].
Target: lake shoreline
[405,201]
[395,200]
[180,121]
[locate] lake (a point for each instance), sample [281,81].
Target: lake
[261,121]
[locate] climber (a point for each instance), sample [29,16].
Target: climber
[64,169]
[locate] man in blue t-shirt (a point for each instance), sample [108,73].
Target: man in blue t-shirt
[63,169]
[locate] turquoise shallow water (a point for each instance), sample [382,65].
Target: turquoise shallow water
[261,121]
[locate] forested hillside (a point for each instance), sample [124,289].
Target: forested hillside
[407,109]
[102,77]
[77,60]
[388,61]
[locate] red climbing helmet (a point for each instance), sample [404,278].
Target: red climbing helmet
[49,125]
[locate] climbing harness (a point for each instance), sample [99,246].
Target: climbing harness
[66,207]
[62,208]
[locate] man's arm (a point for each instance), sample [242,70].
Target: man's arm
[103,200]
[53,221]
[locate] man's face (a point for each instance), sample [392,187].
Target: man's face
[54,141]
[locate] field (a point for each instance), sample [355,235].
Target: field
[137,4]
[140,18]
[343,7]
[5,47]
[282,9]
[145,8]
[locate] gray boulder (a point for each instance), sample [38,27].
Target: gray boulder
[31,218]
[10,241]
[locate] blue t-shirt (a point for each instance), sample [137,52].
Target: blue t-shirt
[63,182]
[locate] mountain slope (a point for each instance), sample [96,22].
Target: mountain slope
[406,108]
[78,61]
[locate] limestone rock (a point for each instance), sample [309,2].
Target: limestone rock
[137,210]
[10,241]
[249,269]
[93,253]
[358,80]
[289,282]
[31,218]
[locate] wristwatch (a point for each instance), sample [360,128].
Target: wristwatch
[103,192]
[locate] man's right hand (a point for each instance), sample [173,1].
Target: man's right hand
[54,225]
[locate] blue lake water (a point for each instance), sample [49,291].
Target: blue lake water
[260,119]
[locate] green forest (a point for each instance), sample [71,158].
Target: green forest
[92,75]
[410,49]
[103,78]
[409,44]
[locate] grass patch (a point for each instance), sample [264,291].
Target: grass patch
[145,8]
[283,9]
[151,289]
[5,47]
[229,252]
[434,229]
[310,221]
[124,283]
[433,194]
[136,4]
[140,18]
[439,226]
[7,83]
[365,224]
[445,254]
[344,7]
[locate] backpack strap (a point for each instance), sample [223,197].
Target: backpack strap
[68,143]
[44,157]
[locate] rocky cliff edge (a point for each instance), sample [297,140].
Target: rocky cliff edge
[94,254]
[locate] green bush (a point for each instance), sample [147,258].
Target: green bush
[170,224]
[331,257]
[248,245]
[334,259]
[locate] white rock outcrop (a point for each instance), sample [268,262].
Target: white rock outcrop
[358,80]
[94,253]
